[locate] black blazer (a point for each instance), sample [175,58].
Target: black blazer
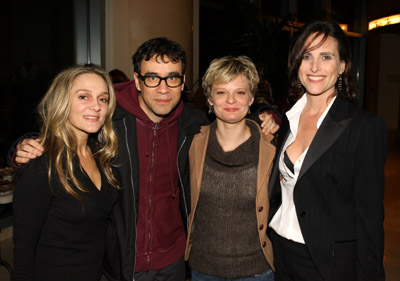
[339,194]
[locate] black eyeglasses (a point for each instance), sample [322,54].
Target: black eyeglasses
[153,81]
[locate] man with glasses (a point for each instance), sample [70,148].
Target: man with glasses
[155,130]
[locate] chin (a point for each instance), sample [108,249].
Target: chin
[93,131]
[231,120]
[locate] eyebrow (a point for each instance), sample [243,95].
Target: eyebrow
[238,89]
[174,73]
[83,90]
[327,53]
[89,91]
[322,53]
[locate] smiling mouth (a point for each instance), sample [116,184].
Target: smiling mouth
[314,78]
[91,118]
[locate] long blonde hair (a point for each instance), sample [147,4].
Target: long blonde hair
[58,138]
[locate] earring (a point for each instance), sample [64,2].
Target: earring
[298,83]
[248,111]
[210,108]
[339,83]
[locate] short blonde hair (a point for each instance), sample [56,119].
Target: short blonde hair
[225,69]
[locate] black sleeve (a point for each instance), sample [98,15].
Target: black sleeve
[11,153]
[32,199]
[257,109]
[369,182]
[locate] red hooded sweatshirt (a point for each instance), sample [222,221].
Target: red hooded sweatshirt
[160,230]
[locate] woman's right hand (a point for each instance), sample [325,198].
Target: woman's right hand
[28,149]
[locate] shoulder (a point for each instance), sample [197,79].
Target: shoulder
[33,177]
[37,167]
[364,119]
[264,138]
[192,118]
[192,112]
[342,109]
[361,118]
[363,114]
[123,120]
[119,113]
[204,130]
[201,138]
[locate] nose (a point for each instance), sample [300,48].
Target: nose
[163,87]
[231,98]
[314,65]
[95,105]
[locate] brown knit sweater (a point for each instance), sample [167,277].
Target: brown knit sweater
[225,237]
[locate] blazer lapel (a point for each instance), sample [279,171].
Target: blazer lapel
[197,155]
[332,127]
[265,159]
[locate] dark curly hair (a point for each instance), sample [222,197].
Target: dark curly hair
[163,49]
[326,29]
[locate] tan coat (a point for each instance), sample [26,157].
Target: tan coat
[197,156]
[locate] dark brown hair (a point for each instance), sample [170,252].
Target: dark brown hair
[161,47]
[326,29]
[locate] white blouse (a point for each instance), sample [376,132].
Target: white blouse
[285,221]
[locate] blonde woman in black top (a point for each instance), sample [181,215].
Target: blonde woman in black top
[63,199]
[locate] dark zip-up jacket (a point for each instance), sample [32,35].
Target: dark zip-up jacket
[121,265]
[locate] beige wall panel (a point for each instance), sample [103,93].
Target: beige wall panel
[121,51]
[135,21]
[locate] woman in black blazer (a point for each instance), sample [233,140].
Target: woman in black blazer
[326,189]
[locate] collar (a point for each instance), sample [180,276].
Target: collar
[294,113]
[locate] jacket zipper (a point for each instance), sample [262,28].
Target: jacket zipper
[149,194]
[181,184]
[133,194]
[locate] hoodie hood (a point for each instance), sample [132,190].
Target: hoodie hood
[128,99]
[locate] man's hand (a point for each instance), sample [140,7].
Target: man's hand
[28,149]
[268,125]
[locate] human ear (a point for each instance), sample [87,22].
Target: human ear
[137,82]
[251,101]
[342,66]
[183,84]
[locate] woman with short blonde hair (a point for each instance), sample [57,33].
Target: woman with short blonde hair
[230,163]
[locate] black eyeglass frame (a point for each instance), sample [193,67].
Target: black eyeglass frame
[143,78]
